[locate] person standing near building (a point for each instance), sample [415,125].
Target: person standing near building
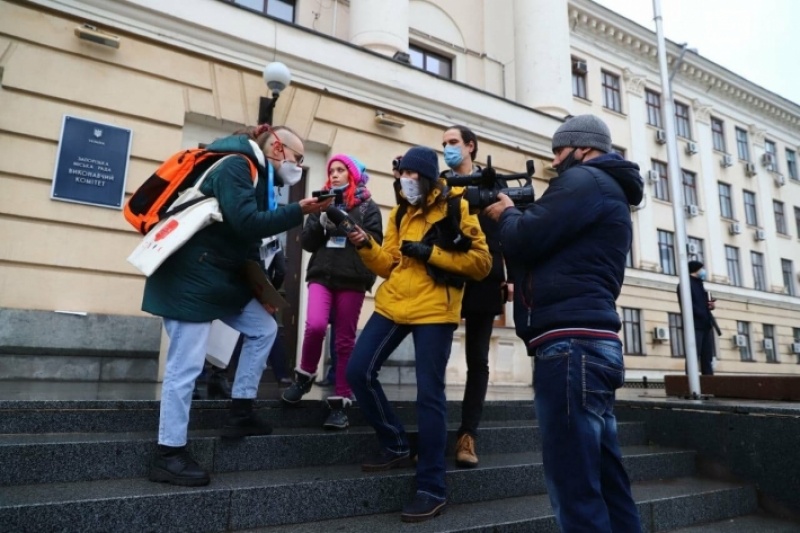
[203,281]
[483,301]
[337,283]
[703,319]
[432,242]
[567,252]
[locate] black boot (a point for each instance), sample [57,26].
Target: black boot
[338,417]
[302,384]
[217,385]
[242,422]
[176,466]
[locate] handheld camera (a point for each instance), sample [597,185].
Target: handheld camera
[324,195]
[482,188]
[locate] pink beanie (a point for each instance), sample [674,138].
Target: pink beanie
[351,164]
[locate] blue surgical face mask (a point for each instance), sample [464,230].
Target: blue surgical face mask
[453,156]
[411,190]
[702,274]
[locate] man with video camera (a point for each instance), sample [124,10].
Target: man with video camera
[483,301]
[567,252]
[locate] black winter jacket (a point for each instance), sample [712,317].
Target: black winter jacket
[566,252]
[341,268]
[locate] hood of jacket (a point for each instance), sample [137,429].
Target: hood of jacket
[241,144]
[624,172]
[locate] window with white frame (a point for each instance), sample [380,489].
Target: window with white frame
[697,244]
[772,150]
[431,61]
[759,276]
[742,147]
[787,270]
[791,164]
[780,217]
[734,267]
[661,186]
[612,98]
[746,351]
[769,343]
[281,9]
[579,78]
[632,328]
[725,200]
[689,187]
[676,334]
[653,102]
[682,124]
[797,220]
[718,134]
[666,251]
[750,211]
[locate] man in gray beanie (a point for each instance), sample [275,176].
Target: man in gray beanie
[567,253]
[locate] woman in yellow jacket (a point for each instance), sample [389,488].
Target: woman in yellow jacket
[427,254]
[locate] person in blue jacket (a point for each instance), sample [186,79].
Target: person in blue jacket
[566,253]
[202,281]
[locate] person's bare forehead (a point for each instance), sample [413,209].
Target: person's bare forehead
[291,140]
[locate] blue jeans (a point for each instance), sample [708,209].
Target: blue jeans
[574,388]
[185,358]
[432,343]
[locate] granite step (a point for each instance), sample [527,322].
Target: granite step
[250,499]
[82,416]
[744,524]
[56,458]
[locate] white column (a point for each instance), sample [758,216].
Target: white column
[381,26]
[645,249]
[709,162]
[542,67]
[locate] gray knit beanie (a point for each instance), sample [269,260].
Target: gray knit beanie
[421,160]
[583,131]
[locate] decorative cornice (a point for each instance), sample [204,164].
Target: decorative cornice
[641,42]
[702,112]
[634,83]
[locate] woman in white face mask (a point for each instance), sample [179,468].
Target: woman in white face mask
[431,238]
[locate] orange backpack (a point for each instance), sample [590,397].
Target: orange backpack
[149,204]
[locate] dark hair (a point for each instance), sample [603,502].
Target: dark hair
[467,136]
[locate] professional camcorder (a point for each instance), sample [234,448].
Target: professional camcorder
[482,188]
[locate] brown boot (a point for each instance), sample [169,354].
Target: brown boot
[465,452]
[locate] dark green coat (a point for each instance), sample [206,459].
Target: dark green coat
[202,280]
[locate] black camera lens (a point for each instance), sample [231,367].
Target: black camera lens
[396,163]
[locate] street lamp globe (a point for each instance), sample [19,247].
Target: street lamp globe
[277,76]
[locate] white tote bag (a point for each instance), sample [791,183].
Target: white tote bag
[221,341]
[173,232]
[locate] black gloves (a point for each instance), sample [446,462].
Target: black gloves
[416,249]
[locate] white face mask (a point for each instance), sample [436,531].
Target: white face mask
[411,190]
[289,173]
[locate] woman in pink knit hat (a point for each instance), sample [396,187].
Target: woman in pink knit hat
[337,283]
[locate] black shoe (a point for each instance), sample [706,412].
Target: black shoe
[217,385]
[176,466]
[386,460]
[242,422]
[302,384]
[422,507]
[338,418]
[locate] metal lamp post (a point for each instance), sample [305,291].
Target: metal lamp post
[277,77]
[678,208]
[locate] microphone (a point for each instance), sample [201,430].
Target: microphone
[344,222]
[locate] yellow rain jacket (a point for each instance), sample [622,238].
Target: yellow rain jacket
[409,295]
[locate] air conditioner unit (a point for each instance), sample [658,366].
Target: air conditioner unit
[692,210]
[768,160]
[660,333]
[726,161]
[796,347]
[750,169]
[692,248]
[760,235]
[661,137]
[780,180]
[579,67]
[735,228]
[691,147]
[652,176]
[740,341]
[768,344]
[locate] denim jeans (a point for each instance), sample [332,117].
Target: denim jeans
[477,338]
[432,343]
[185,358]
[574,383]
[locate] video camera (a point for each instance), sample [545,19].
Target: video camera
[483,187]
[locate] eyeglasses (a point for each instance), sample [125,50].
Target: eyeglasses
[298,157]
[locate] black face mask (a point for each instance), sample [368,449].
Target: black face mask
[568,162]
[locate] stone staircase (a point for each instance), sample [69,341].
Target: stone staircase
[82,466]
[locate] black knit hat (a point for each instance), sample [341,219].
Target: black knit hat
[694,266]
[583,131]
[421,160]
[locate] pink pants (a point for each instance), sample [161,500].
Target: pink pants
[346,307]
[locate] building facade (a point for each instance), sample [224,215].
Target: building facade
[372,79]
